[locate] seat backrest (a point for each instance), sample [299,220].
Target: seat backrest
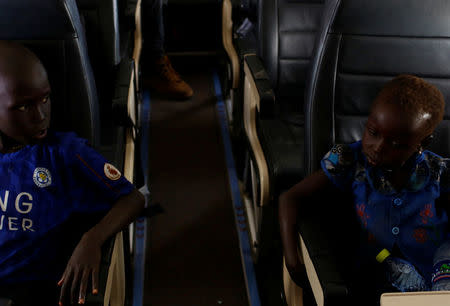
[362,44]
[287,31]
[248,8]
[101,22]
[52,30]
[109,31]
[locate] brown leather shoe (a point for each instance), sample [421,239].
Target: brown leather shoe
[166,81]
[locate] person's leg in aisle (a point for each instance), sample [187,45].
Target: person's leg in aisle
[159,73]
[153,28]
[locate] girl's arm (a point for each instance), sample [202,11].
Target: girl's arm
[85,260]
[289,203]
[443,204]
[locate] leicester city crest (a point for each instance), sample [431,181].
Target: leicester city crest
[42,177]
[111,172]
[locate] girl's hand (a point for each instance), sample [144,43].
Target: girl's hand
[83,264]
[404,276]
[297,272]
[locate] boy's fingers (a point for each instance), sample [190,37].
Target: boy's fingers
[62,294]
[60,282]
[66,281]
[73,288]
[83,286]
[94,281]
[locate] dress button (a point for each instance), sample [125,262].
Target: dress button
[398,201]
[395,230]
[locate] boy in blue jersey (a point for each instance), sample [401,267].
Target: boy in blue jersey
[51,184]
[400,192]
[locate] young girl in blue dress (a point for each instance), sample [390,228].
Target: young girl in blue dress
[399,190]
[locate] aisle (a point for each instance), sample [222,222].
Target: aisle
[193,256]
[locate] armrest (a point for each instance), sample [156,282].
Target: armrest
[111,274]
[122,91]
[326,282]
[107,251]
[246,45]
[263,86]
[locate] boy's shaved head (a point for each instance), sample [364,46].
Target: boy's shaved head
[24,95]
[17,65]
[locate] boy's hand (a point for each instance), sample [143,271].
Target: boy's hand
[404,276]
[83,264]
[85,261]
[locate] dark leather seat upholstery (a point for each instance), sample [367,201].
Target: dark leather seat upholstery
[101,21]
[362,44]
[109,28]
[283,142]
[52,29]
[287,35]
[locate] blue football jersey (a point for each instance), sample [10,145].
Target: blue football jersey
[41,187]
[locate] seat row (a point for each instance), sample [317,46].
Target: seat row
[304,80]
[90,50]
[267,102]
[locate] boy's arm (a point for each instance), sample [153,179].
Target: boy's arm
[85,260]
[289,203]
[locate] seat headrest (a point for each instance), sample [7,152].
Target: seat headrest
[31,19]
[105,26]
[388,17]
[52,29]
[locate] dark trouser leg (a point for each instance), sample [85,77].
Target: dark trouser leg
[153,29]
[158,72]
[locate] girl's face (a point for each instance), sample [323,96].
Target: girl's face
[391,135]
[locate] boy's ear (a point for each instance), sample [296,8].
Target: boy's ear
[427,140]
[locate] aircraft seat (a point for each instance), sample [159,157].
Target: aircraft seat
[273,103]
[109,28]
[53,30]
